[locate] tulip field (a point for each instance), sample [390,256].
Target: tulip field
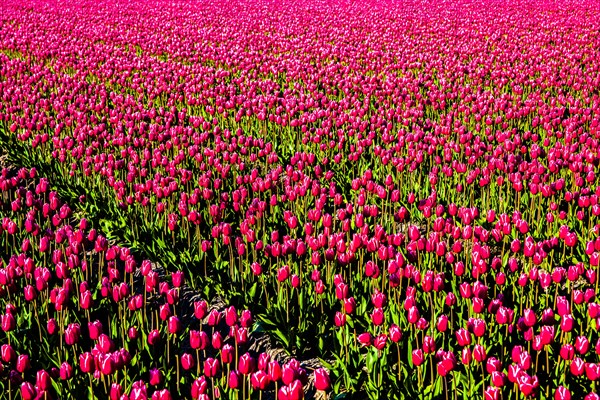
[288,200]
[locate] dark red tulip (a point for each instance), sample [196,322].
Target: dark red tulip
[463,337]
[72,334]
[187,361]
[227,353]
[66,371]
[8,353]
[132,333]
[234,380]
[417,357]
[174,325]
[577,366]
[492,393]
[582,344]
[162,394]
[116,391]
[153,337]
[200,309]
[8,322]
[23,363]
[562,393]
[289,373]
[274,370]
[28,391]
[43,382]
[260,380]
[322,381]
[380,342]
[296,390]
[86,362]
[198,339]
[156,377]
[199,387]
[365,339]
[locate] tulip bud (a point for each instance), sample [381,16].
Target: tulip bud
[28,391]
[178,278]
[72,334]
[577,366]
[132,333]
[566,323]
[562,393]
[156,377]
[463,337]
[8,322]
[214,317]
[413,314]
[234,379]
[296,392]
[153,337]
[289,373]
[43,382]
[200,309]
[339,319]
[199,387]
[417,357]
[246,364]
[66,371]
[241,335]
[442,323]
[349,305]
[322,381]
[8,353]
[94,329]
[380,342]
[582,344]
[116,391]
[492,393]
[479,353]
[377,317]
[188,361]
[260,380]
[211,367]
[466,356]
[163,394]
[365,339]
[274,370]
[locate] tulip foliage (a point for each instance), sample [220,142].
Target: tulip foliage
[299,199]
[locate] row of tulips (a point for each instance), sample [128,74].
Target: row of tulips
[105,326]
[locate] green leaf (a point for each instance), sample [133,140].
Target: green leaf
[301,300]
[326,364]
[371,359]
[282,337]
[350,321]
[252,290]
